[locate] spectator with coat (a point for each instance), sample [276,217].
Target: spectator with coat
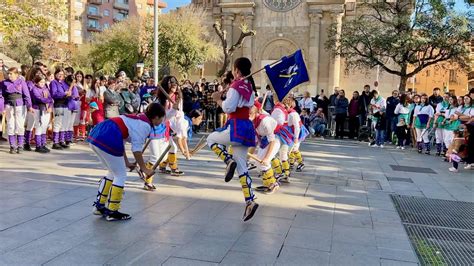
[318,122]
[354,113]
[341,104]
[392,119]
[365,103]
[112,100]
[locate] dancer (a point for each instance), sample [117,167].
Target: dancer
[299,132]
[107,141]
[238,130]
[72,110]
[17,103]
[423,115]
[34,72]
[42,106]
[60,92]
[281,164]
[268,146]
[439,124]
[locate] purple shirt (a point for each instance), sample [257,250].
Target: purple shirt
[73,102]
[41,97]
[18,86]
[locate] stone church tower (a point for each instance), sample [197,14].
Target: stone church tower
[282,27]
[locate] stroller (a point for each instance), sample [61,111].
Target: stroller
[364,133]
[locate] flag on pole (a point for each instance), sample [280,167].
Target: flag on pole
[288,73]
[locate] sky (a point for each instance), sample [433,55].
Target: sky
[172,4]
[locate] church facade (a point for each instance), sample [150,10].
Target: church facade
[284,26]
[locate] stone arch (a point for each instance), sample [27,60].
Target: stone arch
[277,48]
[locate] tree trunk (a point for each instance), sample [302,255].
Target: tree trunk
[225,65]
[403,84]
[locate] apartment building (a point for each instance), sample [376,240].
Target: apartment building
[89,16]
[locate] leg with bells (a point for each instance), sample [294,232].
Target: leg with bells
[20,116]
[117,168]
[298,157]
[240,157]
[291,159]
[284,164]
[10,120]
[173,159]
[218,141]
[270,185]
[277,168]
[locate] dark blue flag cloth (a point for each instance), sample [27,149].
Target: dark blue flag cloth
[287,74]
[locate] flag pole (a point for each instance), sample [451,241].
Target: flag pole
[260,70]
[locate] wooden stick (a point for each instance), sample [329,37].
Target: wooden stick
[201,143]
[251,156]
[263,68]
[162,156]
[147,143]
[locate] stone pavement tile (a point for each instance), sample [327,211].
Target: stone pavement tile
[402,242]
[263,244]
[277,212]
[355,235]
[301,256]
[21,215]
[406,192]
[271,225]
[353,220]
[310,239]
[398,254]
[206,248]
[354,249]
[390,230]
[224,228]
[376,205]
[173,233]
[339,259]
[382,216]
[143,253]
[307,220]
[171,205]
[201,212]
[243,258]
[398,185]
[173,261]
[387,262]
[351,208]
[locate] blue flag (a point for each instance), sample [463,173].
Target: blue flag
[288,73]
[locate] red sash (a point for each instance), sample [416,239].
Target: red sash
[240,113]
[123,128]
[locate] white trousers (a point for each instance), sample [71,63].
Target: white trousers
[77,117]
[239,151]
[71,121]
[60,118]
[261,154]
[448,137]
[30,121]
[15,116]
[296,147]
[157,147]
[439,133]
[421,135]
[117,171]
[41,122]
[284,152]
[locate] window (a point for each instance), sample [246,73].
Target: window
[93,23]
[124,2]
[77,33]
[452,76]
[77,18]
[106,25]
[120,16]
[93,10]
[106,13]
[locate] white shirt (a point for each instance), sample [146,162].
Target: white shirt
[267,128]
[380,104]
[294,121]
[138,132]
[279,116]
[306,103]
[179,125]
[401,109]
[424,110]
[234,100]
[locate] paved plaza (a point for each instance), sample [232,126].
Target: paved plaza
[337,212]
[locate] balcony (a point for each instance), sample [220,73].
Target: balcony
[94,28]
[95,2]
[122,5]
[94,15]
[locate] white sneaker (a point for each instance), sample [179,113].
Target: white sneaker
[452,169]
[469,167]
[402,148]
[381,146]
[398,147]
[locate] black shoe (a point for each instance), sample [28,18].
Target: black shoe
[117,216]
[300,167]
[427,152]
[250,210]
[438,153]
[45,148]
[176,172]
[18,150]
[40,150]
[230,170]
[420,150]
[64,145]
[12,150]
[99,209]
[27,147]
[57,146]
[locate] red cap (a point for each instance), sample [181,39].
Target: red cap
[257,104]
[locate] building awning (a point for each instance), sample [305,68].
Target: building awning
[161,4]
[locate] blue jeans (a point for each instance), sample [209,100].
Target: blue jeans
[379,136]
[391,127]
[319,129]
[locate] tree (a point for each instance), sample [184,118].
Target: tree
[25,46]
[229,51]
[184,41]
[403,37]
